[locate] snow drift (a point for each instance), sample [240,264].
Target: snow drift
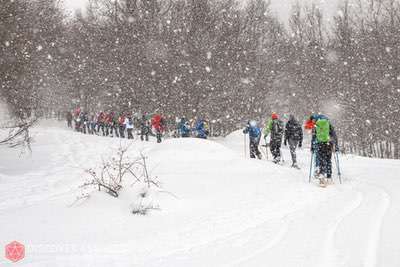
[217,208]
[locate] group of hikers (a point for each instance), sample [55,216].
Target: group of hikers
[324,141]
[125,124]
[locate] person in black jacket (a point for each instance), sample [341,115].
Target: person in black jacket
[144,128]
[69,119]
[293,137]
[274,127]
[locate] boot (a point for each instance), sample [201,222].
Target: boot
[294,165]
[322,182]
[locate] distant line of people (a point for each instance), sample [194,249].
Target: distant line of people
[124,124]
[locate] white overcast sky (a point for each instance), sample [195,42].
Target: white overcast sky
[281,7]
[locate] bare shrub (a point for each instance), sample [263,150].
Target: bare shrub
[120,170]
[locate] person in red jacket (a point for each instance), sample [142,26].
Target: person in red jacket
[158,124]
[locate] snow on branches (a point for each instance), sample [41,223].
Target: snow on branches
[121,172]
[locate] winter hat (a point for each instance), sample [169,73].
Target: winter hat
[253,123]
[274,116]
[309,125]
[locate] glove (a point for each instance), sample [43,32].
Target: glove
[300,145]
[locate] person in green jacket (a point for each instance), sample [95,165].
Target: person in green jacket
[326,140]
[275,127]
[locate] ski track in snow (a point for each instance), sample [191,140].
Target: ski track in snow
[371,258]
[371,213]
[337,226]
[329,249]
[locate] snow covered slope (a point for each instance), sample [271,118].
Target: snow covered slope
[227,210]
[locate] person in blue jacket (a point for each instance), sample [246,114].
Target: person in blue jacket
[184,128]
[255,136]
[201,129]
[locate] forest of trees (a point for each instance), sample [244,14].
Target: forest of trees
[217,59]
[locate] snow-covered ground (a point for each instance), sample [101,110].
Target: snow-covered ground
[227,210]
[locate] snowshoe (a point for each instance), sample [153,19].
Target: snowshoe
[277,160]
[322,182]
[317,174]
[294,165]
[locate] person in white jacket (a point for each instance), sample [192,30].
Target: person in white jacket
[129,126]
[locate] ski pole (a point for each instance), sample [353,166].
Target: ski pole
[338,166]
[245,147]
[311,166]
[263,153]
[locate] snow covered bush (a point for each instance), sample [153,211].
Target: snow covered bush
[14,130]
[144,202]
[122,172]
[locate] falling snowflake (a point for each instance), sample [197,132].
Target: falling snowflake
[245,80]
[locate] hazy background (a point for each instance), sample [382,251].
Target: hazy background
[280,7]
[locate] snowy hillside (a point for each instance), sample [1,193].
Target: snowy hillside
[224,210]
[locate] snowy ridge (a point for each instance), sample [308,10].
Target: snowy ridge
[228,210]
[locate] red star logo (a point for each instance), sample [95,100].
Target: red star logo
[15,251]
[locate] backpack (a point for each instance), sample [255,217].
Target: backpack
[294,130]
[277,128]
[322,130]
[254,132]
[156,120]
